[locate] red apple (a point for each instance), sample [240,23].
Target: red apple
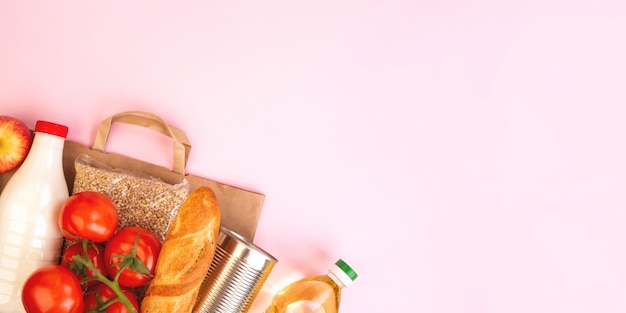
[15,141]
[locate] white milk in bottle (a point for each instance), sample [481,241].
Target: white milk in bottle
[29,209]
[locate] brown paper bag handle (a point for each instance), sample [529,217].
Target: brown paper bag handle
[182,147]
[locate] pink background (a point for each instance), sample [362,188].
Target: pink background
[462,156]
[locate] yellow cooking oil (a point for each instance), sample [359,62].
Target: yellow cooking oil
[315,294]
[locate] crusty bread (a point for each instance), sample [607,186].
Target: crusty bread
[186,255]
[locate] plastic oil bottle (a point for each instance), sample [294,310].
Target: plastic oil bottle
[29,210]
[315,294]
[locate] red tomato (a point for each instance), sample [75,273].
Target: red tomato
[89,215]
[141,260]
[52,289]
[100,293]
[95,253]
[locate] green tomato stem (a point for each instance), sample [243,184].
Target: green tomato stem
[113,284]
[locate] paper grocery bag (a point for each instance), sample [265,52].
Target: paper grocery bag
[240,209]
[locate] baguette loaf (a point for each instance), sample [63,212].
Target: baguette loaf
[186,255]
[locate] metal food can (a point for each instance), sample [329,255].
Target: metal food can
[237,273]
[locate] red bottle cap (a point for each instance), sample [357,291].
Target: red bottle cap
[51,128]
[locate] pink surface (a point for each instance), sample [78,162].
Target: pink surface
[462,156]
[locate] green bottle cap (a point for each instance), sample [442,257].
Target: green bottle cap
[347,269]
